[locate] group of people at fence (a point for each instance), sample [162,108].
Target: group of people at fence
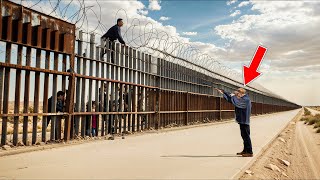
[114,106]
[114,33]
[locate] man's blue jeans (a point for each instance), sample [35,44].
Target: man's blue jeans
[93,132]
[245,134]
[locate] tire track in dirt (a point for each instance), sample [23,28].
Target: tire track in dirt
[306,144]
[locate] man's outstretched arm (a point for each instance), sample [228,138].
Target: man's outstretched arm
[226,95]
[119,36]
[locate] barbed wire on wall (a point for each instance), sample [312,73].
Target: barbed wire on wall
[142,36]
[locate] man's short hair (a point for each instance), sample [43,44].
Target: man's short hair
[60,93]
[118,20]
[242,90]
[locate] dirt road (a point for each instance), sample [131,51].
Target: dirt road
[197,153]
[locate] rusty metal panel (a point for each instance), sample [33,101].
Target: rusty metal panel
[111,105]
[83,95]
[6,97]
[116,104]
[26,98]
[139,103]
[18,22]
[1,25]
[1,88]
[17,98]
[104,86]
[30,17]
[78,86]
[120,108]
[7,22]
[45,96]
[97,98]
[27,34]
[36,98]
[89,104]
[130,92]
[19,26]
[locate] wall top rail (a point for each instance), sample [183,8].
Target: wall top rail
[36,28]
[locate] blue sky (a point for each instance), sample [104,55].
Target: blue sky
[194,16]
[197,16]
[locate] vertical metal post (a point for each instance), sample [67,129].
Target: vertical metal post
[78,86]
[68,131]
[98,93]
[26,98]
[104,93]
[18,83]
[89,109]
[37,86]
[83,94]
[6,92]
[46,85]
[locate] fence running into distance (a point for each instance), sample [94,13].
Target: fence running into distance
[131,90]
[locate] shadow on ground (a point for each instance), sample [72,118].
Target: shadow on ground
[194,156]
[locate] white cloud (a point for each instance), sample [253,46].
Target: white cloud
[143,12]
[231,2]
[294,52]
[190,33]
[244,3]
[290,31]
[284,27]
[154,5]
[235,13]
[162,18]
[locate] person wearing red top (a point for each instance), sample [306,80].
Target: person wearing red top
[94,120]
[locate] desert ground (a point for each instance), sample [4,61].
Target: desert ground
[293,155]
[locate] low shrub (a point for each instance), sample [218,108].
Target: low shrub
[317,125]
[303,119]
[306,112]
[312,121]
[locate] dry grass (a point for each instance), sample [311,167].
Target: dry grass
[317,108]
[306,112]
[312,120]
[317,125]
[20,128]
[306,118]
[10,120]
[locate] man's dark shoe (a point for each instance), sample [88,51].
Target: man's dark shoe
[240,153]
[247,155]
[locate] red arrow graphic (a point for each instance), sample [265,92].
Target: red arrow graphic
[250,73]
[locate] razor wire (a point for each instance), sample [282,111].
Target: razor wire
[142,36]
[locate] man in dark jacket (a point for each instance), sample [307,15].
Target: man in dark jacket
[113,34]
[242,104]
[59,107]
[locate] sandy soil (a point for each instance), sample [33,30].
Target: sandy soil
[315,108]
[30,118]
[301,149]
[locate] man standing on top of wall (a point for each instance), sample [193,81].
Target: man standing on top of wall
[113,34]
[242,104]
